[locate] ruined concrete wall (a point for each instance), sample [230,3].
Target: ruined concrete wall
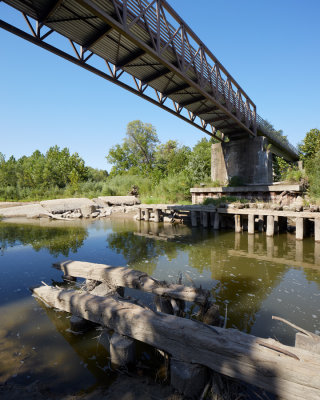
[247,158]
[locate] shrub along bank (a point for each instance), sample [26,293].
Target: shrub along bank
[163,172]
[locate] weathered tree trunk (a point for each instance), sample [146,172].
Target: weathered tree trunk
[123,276]
[291,373]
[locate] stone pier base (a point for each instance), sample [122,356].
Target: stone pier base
[248,159]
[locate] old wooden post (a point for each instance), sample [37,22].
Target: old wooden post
[216,224]
[251,224]
[212,216]
[276,224]
[300,228]
[260,223]
[122,350]
[146,214]
[163,304]
[194,219]
[317,229]
[156,215]
[188,379]
[237,223]
[205,219]
[270,225]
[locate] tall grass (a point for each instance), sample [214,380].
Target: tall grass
[172,189]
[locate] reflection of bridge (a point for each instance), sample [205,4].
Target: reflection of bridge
[147,41]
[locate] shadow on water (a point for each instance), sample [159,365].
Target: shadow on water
[256,276]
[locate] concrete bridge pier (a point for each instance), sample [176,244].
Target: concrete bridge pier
[249,159]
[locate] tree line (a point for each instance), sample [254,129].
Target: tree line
[141,153]
[163,172]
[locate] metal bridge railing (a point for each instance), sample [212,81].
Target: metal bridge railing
[264,127]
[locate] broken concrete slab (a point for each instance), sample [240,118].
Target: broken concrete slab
[60,206]
[28,211]
[120,200]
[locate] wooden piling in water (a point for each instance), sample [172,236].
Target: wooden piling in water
[124,276]
[194,219]
[251,224]
[261,362]
[122,350]
[300,228]
[237,223]
[205,219]
[216,224]
[260,223]
[276,224]
[317,229]
[156,212]
[270,225]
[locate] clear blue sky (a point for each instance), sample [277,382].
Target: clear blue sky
[271,47]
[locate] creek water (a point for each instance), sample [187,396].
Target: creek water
[255,277]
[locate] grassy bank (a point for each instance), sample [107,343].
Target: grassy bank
[173,189]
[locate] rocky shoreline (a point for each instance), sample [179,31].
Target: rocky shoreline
[71,209]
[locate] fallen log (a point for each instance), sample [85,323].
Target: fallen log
[127,277]
[226,351]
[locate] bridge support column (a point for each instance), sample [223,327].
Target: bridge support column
[246,158]
[270,225]
[194,219]
[250,224]
[205,219]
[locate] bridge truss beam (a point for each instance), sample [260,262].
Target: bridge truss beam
[147,40]
[112,73]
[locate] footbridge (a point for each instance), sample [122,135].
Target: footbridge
[144,46]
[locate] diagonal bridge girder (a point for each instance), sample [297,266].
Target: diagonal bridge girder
[121,19]
[148,41]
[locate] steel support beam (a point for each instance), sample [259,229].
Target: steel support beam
[192,101]
[97,37]
[134,56]
[111,78]
[155,76]
[50,10]
[176,89]
[122,27]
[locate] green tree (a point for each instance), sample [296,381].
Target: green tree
[280,167]
[61,168]
[199,167]
[136,154]
[310,146]
[8,171]
[97,175]
[170,158]
[314,175]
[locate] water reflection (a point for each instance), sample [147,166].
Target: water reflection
[57,238]
[256,276]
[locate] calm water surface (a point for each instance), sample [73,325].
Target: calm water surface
[254,276]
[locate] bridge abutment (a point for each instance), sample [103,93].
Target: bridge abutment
[247,158]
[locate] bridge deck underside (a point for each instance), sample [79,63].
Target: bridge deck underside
[97,27]
[147,40]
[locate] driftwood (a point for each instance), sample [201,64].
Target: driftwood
[127,277]
[261,362]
